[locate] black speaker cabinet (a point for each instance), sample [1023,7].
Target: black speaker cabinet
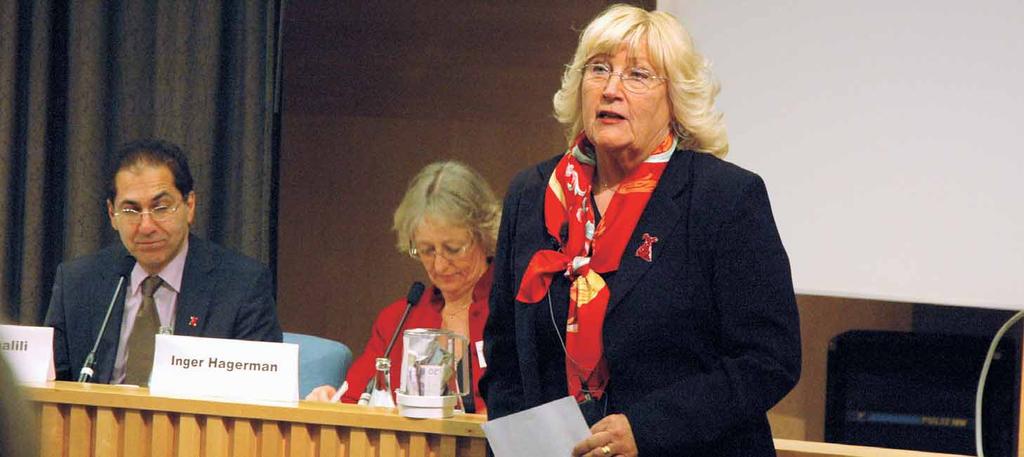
[916,391]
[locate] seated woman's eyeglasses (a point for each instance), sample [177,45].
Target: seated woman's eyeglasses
[449,252]
[159,214]
[634,79]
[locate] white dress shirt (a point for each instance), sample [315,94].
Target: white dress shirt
[166,298]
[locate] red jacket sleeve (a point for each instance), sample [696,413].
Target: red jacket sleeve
[362,370]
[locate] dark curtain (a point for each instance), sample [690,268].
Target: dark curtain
[78,78]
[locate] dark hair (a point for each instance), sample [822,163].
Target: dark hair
[151,152]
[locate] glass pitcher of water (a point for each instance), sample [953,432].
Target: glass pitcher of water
[435,372]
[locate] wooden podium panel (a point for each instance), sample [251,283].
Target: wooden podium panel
[96,420]
[100,420]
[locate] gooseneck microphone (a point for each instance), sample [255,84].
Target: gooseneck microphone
[411,299]
[124,269]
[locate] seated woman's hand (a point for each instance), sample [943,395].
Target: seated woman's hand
[322,393]
[609,436]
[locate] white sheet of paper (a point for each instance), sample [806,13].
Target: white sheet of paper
[551,429]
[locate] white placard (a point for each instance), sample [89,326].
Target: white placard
[29,352]
[189,366]
[480,353]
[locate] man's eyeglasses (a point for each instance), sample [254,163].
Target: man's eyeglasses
[634,79]
[159,214]
[448,252]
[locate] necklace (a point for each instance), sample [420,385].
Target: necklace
[602,187]
[456,312]
[456,320]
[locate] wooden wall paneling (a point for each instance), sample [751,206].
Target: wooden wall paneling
[53,428]
[472,447]
[189,437]
[137,433]
[434,444]
[80,432]
[216,440]
[388,443]
[107,437]
[358,443]
[329,442]
[417,445]
[94,414]
[163,431]
[300,443]
[373,435]
[243,437]
[271,440]
[447,446]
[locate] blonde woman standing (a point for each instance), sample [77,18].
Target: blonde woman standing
[637,271]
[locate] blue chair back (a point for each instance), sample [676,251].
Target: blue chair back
[321,361]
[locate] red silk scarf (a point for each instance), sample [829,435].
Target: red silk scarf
[589,251]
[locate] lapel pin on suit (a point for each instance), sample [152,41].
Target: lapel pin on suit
[645,251]
[193,321]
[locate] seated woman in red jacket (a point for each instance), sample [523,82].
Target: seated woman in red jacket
[448,220]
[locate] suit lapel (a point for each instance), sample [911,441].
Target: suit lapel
[660,219]
[196,290]
[530,225]
[531,236]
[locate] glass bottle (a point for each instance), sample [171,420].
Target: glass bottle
[382,396]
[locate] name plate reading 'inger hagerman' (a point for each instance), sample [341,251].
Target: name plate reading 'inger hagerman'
[189,366]
[28,351]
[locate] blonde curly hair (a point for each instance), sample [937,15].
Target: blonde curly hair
[691,86]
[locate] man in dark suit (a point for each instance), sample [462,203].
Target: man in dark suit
[178,283]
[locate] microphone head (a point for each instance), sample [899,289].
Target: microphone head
[415,292]
[124,268]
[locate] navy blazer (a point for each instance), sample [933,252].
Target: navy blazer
[700,342]
[230,296]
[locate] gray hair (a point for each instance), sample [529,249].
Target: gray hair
[451,192]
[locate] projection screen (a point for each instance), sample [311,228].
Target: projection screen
[890,137]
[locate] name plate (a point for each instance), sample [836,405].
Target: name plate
[189,366]
[29,352]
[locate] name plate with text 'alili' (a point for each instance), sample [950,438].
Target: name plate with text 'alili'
[28,351]
[189,366]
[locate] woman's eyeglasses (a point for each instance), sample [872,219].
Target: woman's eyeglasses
[450,252]
[634,79]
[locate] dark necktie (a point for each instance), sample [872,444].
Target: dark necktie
[143,337]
